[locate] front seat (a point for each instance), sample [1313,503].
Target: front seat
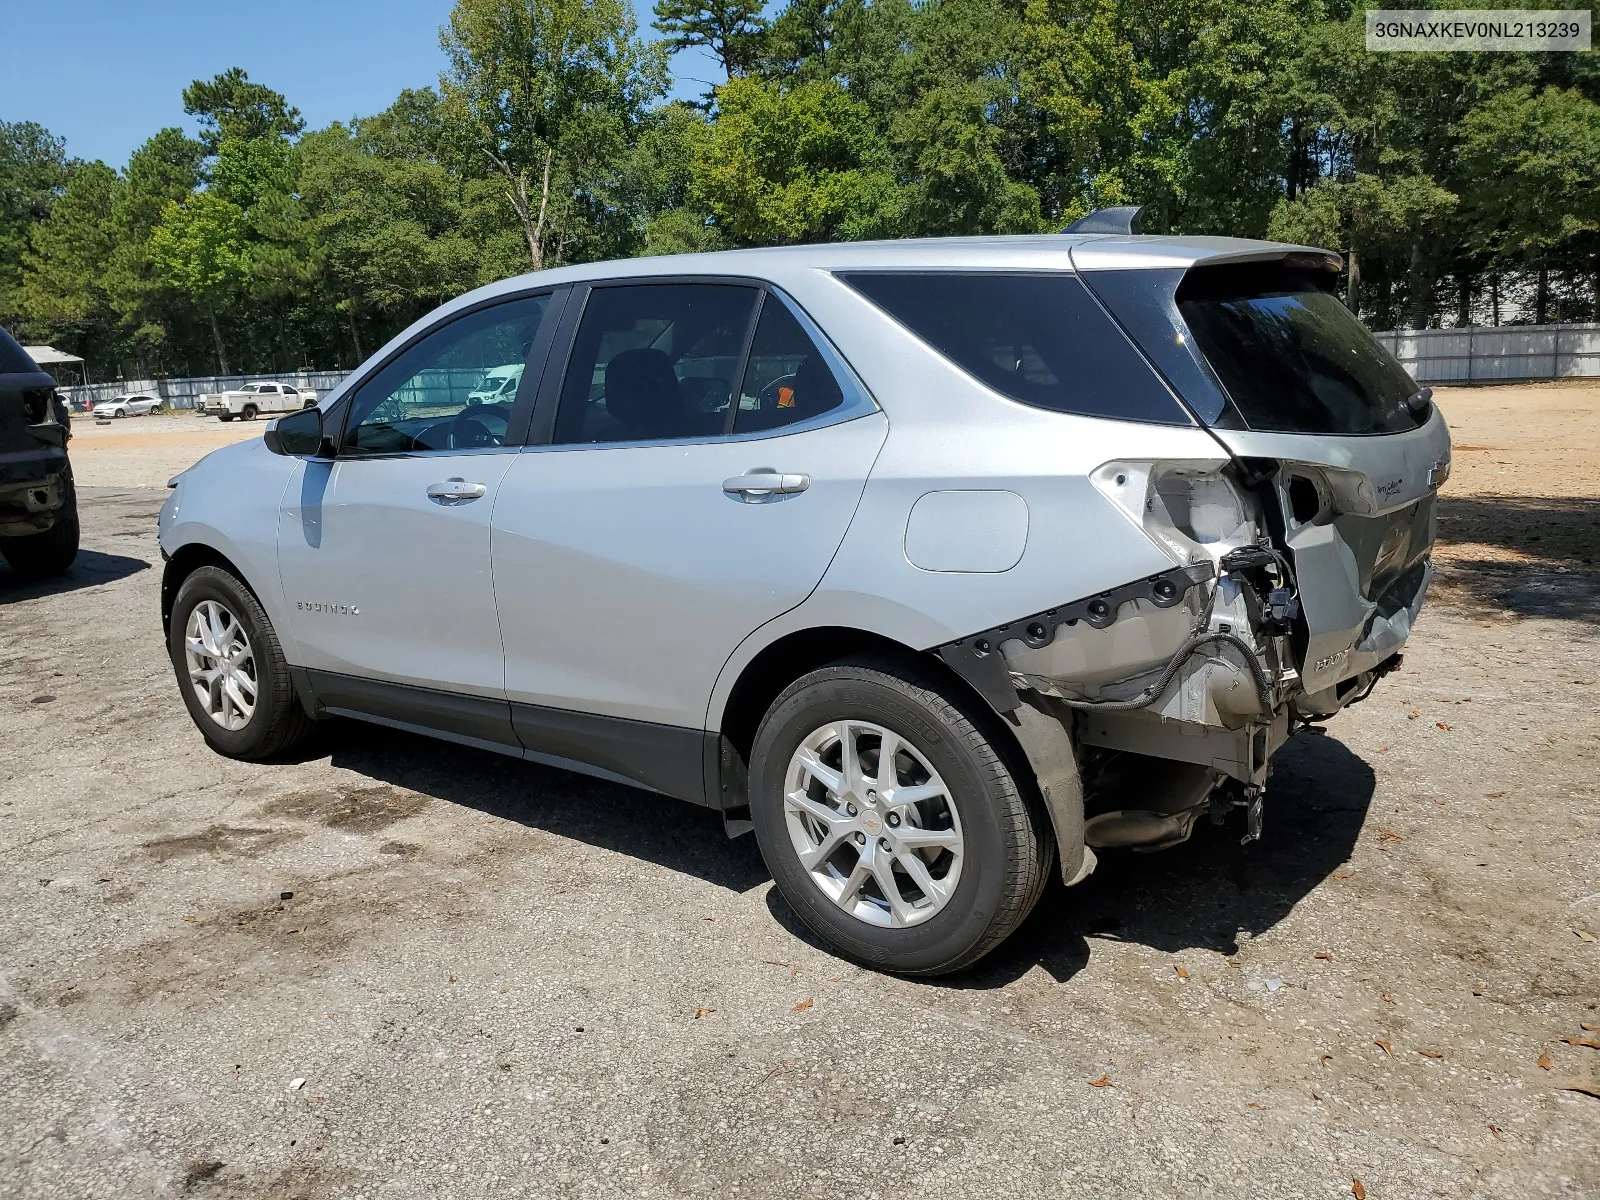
[642,395]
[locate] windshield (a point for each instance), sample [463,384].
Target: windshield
[1291,356]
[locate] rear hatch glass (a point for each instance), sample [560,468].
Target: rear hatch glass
[1265,346]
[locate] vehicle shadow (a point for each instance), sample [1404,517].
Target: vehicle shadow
[670,833]
[90,569]
[1202,894]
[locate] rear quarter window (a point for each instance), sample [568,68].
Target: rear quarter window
[1040,339]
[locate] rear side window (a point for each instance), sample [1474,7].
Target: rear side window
[14,359]
[1291,356]
[1040,339]
[787,379]
[654,362]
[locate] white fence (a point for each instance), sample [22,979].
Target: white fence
[182,393]
[1482,355]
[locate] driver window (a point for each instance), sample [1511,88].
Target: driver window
[445,392]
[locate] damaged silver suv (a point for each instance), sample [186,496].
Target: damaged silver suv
[937,564]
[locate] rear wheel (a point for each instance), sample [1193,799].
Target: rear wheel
[226,416]
[231,670]
[891,819]
[249,412]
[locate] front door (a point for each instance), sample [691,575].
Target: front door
[384,550]
[692,491]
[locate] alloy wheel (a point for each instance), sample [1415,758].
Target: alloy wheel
[873,824]
[221,663]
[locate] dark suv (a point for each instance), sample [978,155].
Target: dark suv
[38,506]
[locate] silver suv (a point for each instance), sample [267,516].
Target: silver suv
[940,564]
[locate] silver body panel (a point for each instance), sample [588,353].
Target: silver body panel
[621,580]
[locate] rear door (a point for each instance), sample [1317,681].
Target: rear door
[706,452]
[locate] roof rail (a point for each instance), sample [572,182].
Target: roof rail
[1109,220]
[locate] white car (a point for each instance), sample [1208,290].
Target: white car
[252,399]
[130,404]
[940,565]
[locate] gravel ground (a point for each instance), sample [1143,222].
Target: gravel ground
[402,968]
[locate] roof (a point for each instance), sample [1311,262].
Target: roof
[1051,251]
[45,355]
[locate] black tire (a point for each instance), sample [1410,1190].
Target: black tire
[119,413]
[48,554]
[278,722]
[226,416]
[248,413]
[1007,846]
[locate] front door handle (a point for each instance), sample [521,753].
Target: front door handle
[765,482]
[456,491]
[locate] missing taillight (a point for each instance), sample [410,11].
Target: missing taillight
[1305,502]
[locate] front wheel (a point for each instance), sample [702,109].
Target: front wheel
[44,555]
[231,670]
[893,819]
[119,413]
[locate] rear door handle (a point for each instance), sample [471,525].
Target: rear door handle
[762,482]
[456,491]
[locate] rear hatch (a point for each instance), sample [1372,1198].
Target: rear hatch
[1319,415]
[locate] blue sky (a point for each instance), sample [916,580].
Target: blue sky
[106,74]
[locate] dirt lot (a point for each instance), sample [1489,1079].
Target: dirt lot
[496,979]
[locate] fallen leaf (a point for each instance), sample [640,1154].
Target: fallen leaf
[703,1012]
[1383,1045]
[1389,835]
[708,918]
[1494,795]
[802,1006]
[1412,715]
[1584,934]
[1358,1189]
[1588,1089]
[1323,955]
[1477,991]
[1103,1081]
[1589,1027]
[793,971]
[1430,1054]
[1442,725]
[835,978]
[1316,1095]
[1183,972]
[1253,1104]
[1589,1042]
[1545,1061]
[1495,1129]
[1387,999]
[1324,1059]
[1344,874]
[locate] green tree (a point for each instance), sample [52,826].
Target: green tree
[201,249]
[63,291]
[733,30]
[554,89]
[230,106]
[33,172]
[781,166]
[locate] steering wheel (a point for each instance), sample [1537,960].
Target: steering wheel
[468,433]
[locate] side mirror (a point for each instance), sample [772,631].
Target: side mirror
[298,434]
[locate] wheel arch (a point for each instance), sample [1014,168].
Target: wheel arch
[1038,748]
[185,561]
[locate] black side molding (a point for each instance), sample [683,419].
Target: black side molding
[977,658]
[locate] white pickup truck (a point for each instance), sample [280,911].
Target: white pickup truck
[255,398]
